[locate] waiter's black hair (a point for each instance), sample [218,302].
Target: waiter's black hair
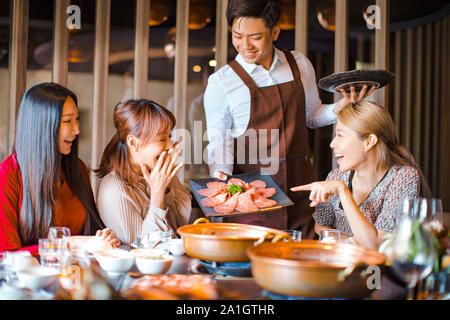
[268,10]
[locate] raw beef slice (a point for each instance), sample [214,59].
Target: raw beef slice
[229,205]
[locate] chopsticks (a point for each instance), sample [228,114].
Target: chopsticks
[156,243]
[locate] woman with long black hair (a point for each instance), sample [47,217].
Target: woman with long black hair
[44,183]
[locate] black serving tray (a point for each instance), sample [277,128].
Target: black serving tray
[280,197]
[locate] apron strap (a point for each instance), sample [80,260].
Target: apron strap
[250,83]
[292,64]
[245,77]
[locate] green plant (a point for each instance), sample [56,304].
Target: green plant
[232,189]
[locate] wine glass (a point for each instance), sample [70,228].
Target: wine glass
[430,213]
[413,247]
[58,233]
[430,209]
[408,207]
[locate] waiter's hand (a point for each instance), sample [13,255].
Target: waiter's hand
[220,175]
[321,190]
[353,97]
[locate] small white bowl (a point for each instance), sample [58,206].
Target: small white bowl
[115,260]
[152,261]
[38,277]
[11,292]
[176,247]
[20,260]
[148,251]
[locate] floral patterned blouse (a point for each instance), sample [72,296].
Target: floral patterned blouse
[380,207]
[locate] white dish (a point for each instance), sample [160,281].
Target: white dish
[20,260]
[176,247]
[152,262]
[12,292]
[148,251]
[115,260]
[38,277]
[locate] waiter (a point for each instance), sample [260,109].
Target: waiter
[263,89]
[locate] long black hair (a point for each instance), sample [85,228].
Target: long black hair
[40,162]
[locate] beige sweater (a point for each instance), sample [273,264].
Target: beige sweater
[128,212]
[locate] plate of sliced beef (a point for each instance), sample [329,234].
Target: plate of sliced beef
[240,194]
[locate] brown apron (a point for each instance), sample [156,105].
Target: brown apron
[280,107]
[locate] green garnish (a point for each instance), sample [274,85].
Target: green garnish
[232,189]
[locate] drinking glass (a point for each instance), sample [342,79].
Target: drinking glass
[413,247]
[73,269]
[58,232]
[329,236]
[157,240]
[296,235]
[53,252]
[5,267]
[431,214]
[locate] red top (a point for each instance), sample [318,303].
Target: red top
[67,212]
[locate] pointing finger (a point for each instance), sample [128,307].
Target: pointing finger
[313,204]
[305,187]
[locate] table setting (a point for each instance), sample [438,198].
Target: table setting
[236,261]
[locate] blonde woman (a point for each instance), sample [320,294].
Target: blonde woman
[361,197]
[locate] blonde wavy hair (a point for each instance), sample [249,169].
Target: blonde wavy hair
[367,118]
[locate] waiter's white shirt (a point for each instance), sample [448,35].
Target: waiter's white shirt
[227,103]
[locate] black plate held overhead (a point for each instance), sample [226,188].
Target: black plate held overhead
[358,78]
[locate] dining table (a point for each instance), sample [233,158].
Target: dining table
[183,264]
[390,288]
[241,287]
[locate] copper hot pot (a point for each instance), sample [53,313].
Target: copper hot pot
[315,270]
[224,242]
